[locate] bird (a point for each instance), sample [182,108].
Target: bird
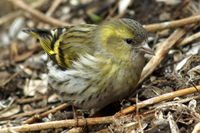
[91,66]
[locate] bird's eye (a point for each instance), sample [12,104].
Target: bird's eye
[128,40]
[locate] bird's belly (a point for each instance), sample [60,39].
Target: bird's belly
[92,90]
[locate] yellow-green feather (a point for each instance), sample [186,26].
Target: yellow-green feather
[65,47]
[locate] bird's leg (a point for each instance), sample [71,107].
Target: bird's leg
[76,117]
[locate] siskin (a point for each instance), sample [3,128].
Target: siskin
[91,66]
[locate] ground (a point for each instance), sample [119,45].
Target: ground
[166,99]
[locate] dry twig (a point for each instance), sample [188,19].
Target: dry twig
[36,111]
[13,76]
[34,119]
[16,14]
[57,124]
[188,39]
[160,98]
[172,24]
[51,10]
[161,52]
[29,100]
[38,14]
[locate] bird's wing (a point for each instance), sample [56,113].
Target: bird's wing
[65,45]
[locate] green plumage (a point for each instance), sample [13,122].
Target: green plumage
[101,64]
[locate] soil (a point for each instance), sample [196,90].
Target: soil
[24,85]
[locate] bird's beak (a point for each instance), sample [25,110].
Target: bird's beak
[146,49]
